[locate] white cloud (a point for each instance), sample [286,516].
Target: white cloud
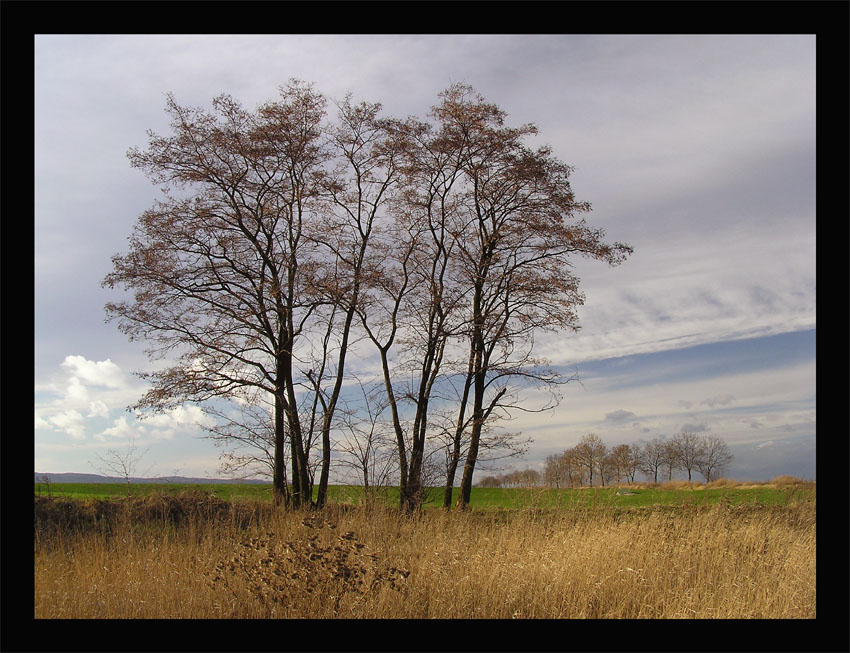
[120,429]
[86,390]
[71,422]
[166,425]
[98,409]
[40,423]
[95,373]
[75,392]
[190,415]
[82,387]
[737,282]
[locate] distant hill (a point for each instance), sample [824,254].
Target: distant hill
[70,477]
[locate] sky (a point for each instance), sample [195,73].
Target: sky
[697,150]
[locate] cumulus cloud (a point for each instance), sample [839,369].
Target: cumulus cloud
[166,425]
[81,389]
[191,415]
[86,390]
[120,429]
[76,392]
[40,422]
[71,422]
[98,409]
[97,373]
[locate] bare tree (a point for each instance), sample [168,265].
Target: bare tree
[244,430]
[620,461]
[714,456]
[121,463]
[670,457]
[608,470]
[564,469]
[384,314]
[515,230]
[369,150]
[490,481]
[634,462]
[521,478]
[555,472]
[652,457]
[221,271]
[687,450]
[575,470]
[589,453]
[366,444]
[279,236]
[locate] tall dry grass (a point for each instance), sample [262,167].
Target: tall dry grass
[703,562]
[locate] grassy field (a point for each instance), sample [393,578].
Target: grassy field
[675,493]
[195,555]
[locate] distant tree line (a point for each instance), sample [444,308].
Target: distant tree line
[592,463]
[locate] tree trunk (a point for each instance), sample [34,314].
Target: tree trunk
[327,422]
[453,463]
[301,490]
[281,492]
[475,436]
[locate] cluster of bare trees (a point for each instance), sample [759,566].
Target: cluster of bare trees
[289,246]
[590,462]
[516,478]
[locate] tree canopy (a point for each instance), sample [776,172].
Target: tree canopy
[286,239]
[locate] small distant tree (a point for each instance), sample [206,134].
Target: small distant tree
[555,471]
[44,478]
[511,479]
[669,457]
[367,443]
[589,453]
[715,455]
[652,458]
[687,449]
[608,470]
[246,434]
[529,477]
[490,481]
[633,463]
[120,463]
[574,469]
[620,461]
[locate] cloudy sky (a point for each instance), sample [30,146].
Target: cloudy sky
[697,150]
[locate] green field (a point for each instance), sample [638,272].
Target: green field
[482,498]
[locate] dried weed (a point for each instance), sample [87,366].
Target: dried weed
[288,578]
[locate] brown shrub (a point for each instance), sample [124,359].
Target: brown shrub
[63,516]
[285,576]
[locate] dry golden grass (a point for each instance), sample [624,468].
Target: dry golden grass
[703,562]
